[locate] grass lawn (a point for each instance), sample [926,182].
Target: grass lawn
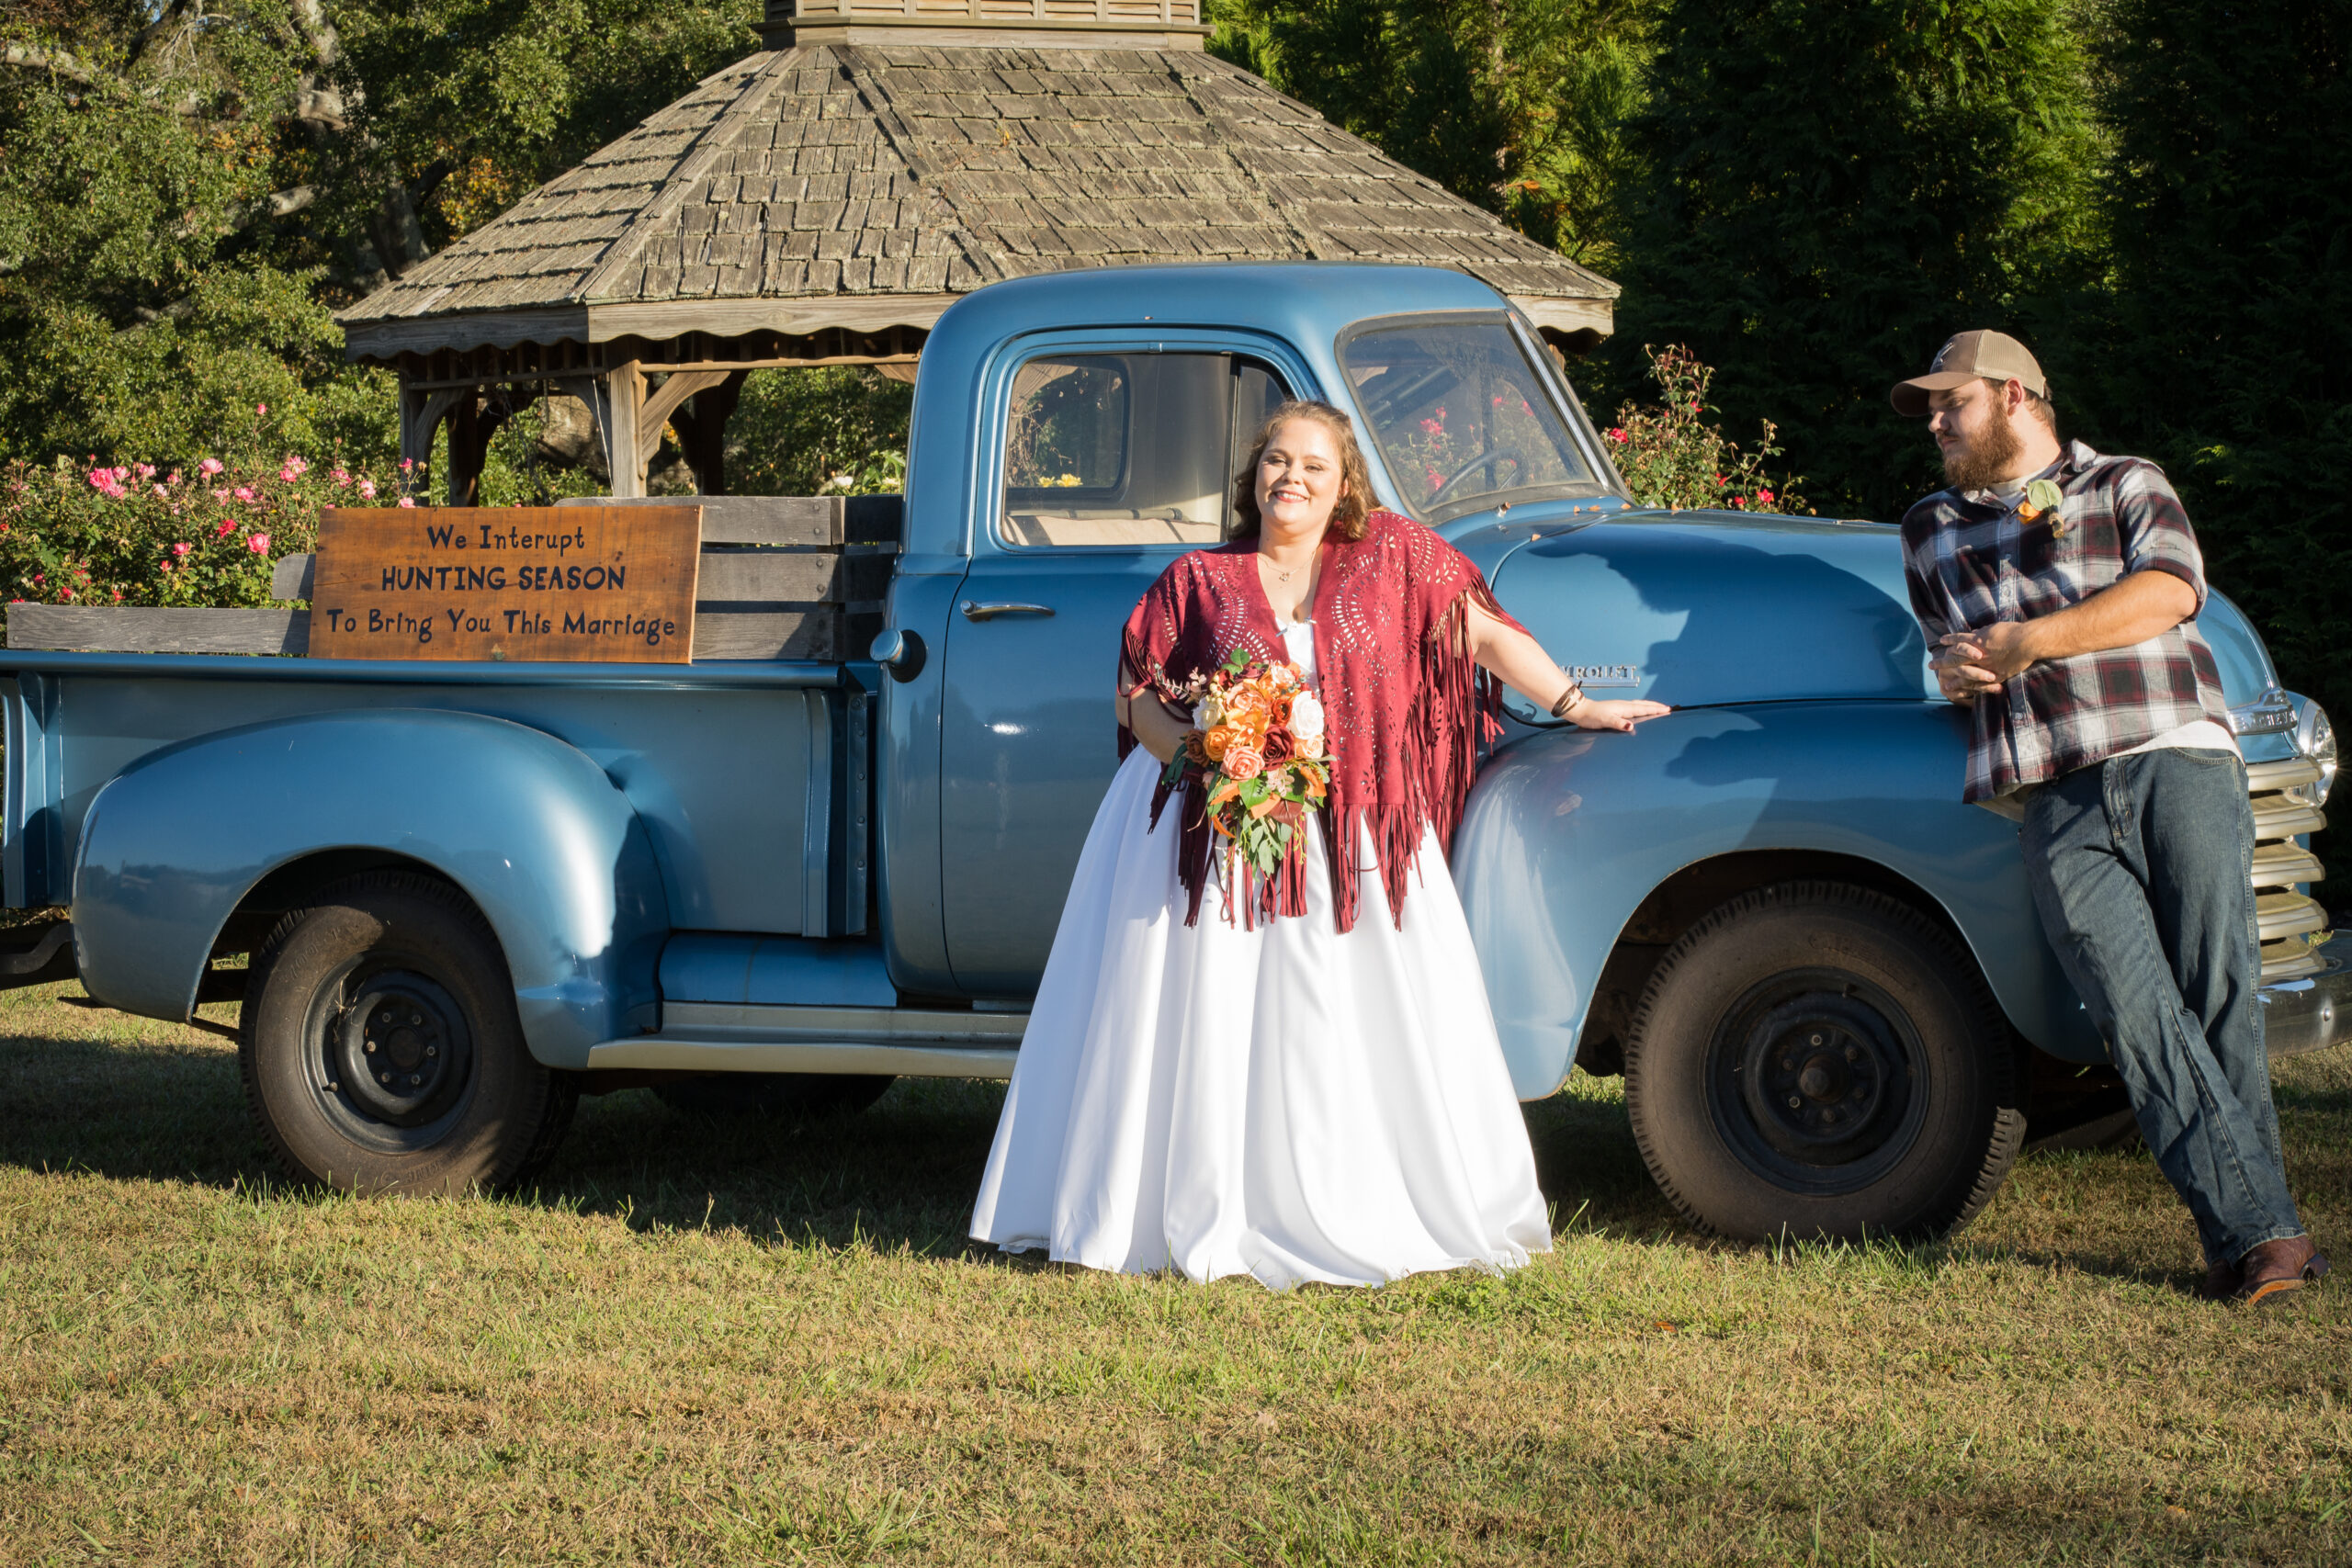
[702,1343]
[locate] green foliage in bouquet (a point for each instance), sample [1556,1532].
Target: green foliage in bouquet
[1674,455]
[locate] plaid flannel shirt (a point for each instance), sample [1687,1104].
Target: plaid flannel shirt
[1971,561]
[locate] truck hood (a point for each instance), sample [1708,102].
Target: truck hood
[1703,608]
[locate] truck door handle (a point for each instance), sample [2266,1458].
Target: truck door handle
[976,611]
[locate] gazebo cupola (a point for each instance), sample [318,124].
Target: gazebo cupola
[823,201]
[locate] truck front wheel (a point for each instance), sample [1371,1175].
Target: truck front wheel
[381,1049]
[1814,1059]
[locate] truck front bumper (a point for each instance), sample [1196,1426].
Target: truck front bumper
[2315,1012]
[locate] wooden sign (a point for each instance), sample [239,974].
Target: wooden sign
[612,584]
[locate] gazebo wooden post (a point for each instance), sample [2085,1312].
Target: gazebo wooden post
[473,420]
[619,403]
[701,424]
[421,414]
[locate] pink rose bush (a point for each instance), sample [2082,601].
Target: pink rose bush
[89,533]
[1672,456]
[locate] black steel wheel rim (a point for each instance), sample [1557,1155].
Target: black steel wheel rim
[1816,1082]
[389,1054]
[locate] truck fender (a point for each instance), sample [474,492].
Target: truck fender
[531,830]
[1566,833]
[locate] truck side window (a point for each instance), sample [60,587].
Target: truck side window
[1127,449]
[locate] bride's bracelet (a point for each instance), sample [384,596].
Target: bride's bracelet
[1568,700]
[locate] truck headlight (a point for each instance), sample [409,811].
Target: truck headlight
[2315,739]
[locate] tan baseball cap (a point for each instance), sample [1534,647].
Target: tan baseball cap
[1994,356]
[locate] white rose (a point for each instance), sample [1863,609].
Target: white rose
[1305,717]
[1209,715]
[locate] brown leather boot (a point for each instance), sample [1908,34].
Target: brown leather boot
[2275,1267]
[2221,1282]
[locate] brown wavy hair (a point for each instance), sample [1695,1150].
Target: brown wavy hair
[1355,474]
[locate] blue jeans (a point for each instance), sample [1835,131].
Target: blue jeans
[2141,867]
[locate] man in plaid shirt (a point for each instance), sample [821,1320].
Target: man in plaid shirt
[2059,591]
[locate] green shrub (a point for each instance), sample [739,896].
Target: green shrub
[1673,455]
[89,533]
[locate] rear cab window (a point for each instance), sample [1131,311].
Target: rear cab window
[1129,449]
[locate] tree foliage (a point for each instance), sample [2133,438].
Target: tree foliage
[1833,190]
[1518,108]
[2226,347]
[189,187]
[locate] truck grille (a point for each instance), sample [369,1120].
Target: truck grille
[2292,925]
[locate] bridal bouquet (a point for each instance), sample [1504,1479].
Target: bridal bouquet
[1260,751]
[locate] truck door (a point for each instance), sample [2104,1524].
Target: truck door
[1113,457]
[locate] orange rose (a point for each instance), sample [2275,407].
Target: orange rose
[1244,762]
[1247,705]
[1216,741]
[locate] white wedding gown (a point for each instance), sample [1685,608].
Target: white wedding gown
[1286,1102]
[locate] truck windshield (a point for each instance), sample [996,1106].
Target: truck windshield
[1461,418]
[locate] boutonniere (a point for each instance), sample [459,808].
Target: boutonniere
[2040,496]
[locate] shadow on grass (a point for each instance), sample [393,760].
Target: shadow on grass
[161,1108]
[146,1102]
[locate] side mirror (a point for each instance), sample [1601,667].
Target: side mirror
[899,652]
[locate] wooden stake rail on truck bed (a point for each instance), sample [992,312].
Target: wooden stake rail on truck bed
[783,577]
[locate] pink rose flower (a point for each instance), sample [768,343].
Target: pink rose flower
[1763,497]
[161,493]
[222,497]
[181,548]
[209,467]
[228,527]
[261,407]
[368,490]
[258,543]
[245,492]
[1244,762]
[1618,435]
[408,500]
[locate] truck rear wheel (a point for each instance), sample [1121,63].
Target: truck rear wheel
[381,1049]
[786,1096]
[1814,1059]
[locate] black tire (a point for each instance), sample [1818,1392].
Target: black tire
[1867,1014]
[791,1097]
[387,976]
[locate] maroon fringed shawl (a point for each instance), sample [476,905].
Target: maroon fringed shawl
[1406,705]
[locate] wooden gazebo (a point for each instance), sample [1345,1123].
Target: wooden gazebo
[823,202]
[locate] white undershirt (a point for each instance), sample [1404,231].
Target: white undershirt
[2204,735]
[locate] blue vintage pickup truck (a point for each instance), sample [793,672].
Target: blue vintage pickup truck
[471,892]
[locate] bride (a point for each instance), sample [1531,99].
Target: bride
[1318,1095]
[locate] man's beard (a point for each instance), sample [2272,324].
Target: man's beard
[1990,455]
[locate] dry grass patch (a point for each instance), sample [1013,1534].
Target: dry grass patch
[701,1343]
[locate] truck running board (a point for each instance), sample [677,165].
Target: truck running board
[727,1037]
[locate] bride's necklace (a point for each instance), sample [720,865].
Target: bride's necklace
[1282,574]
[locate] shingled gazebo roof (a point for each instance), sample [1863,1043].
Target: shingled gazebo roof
[858,187]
